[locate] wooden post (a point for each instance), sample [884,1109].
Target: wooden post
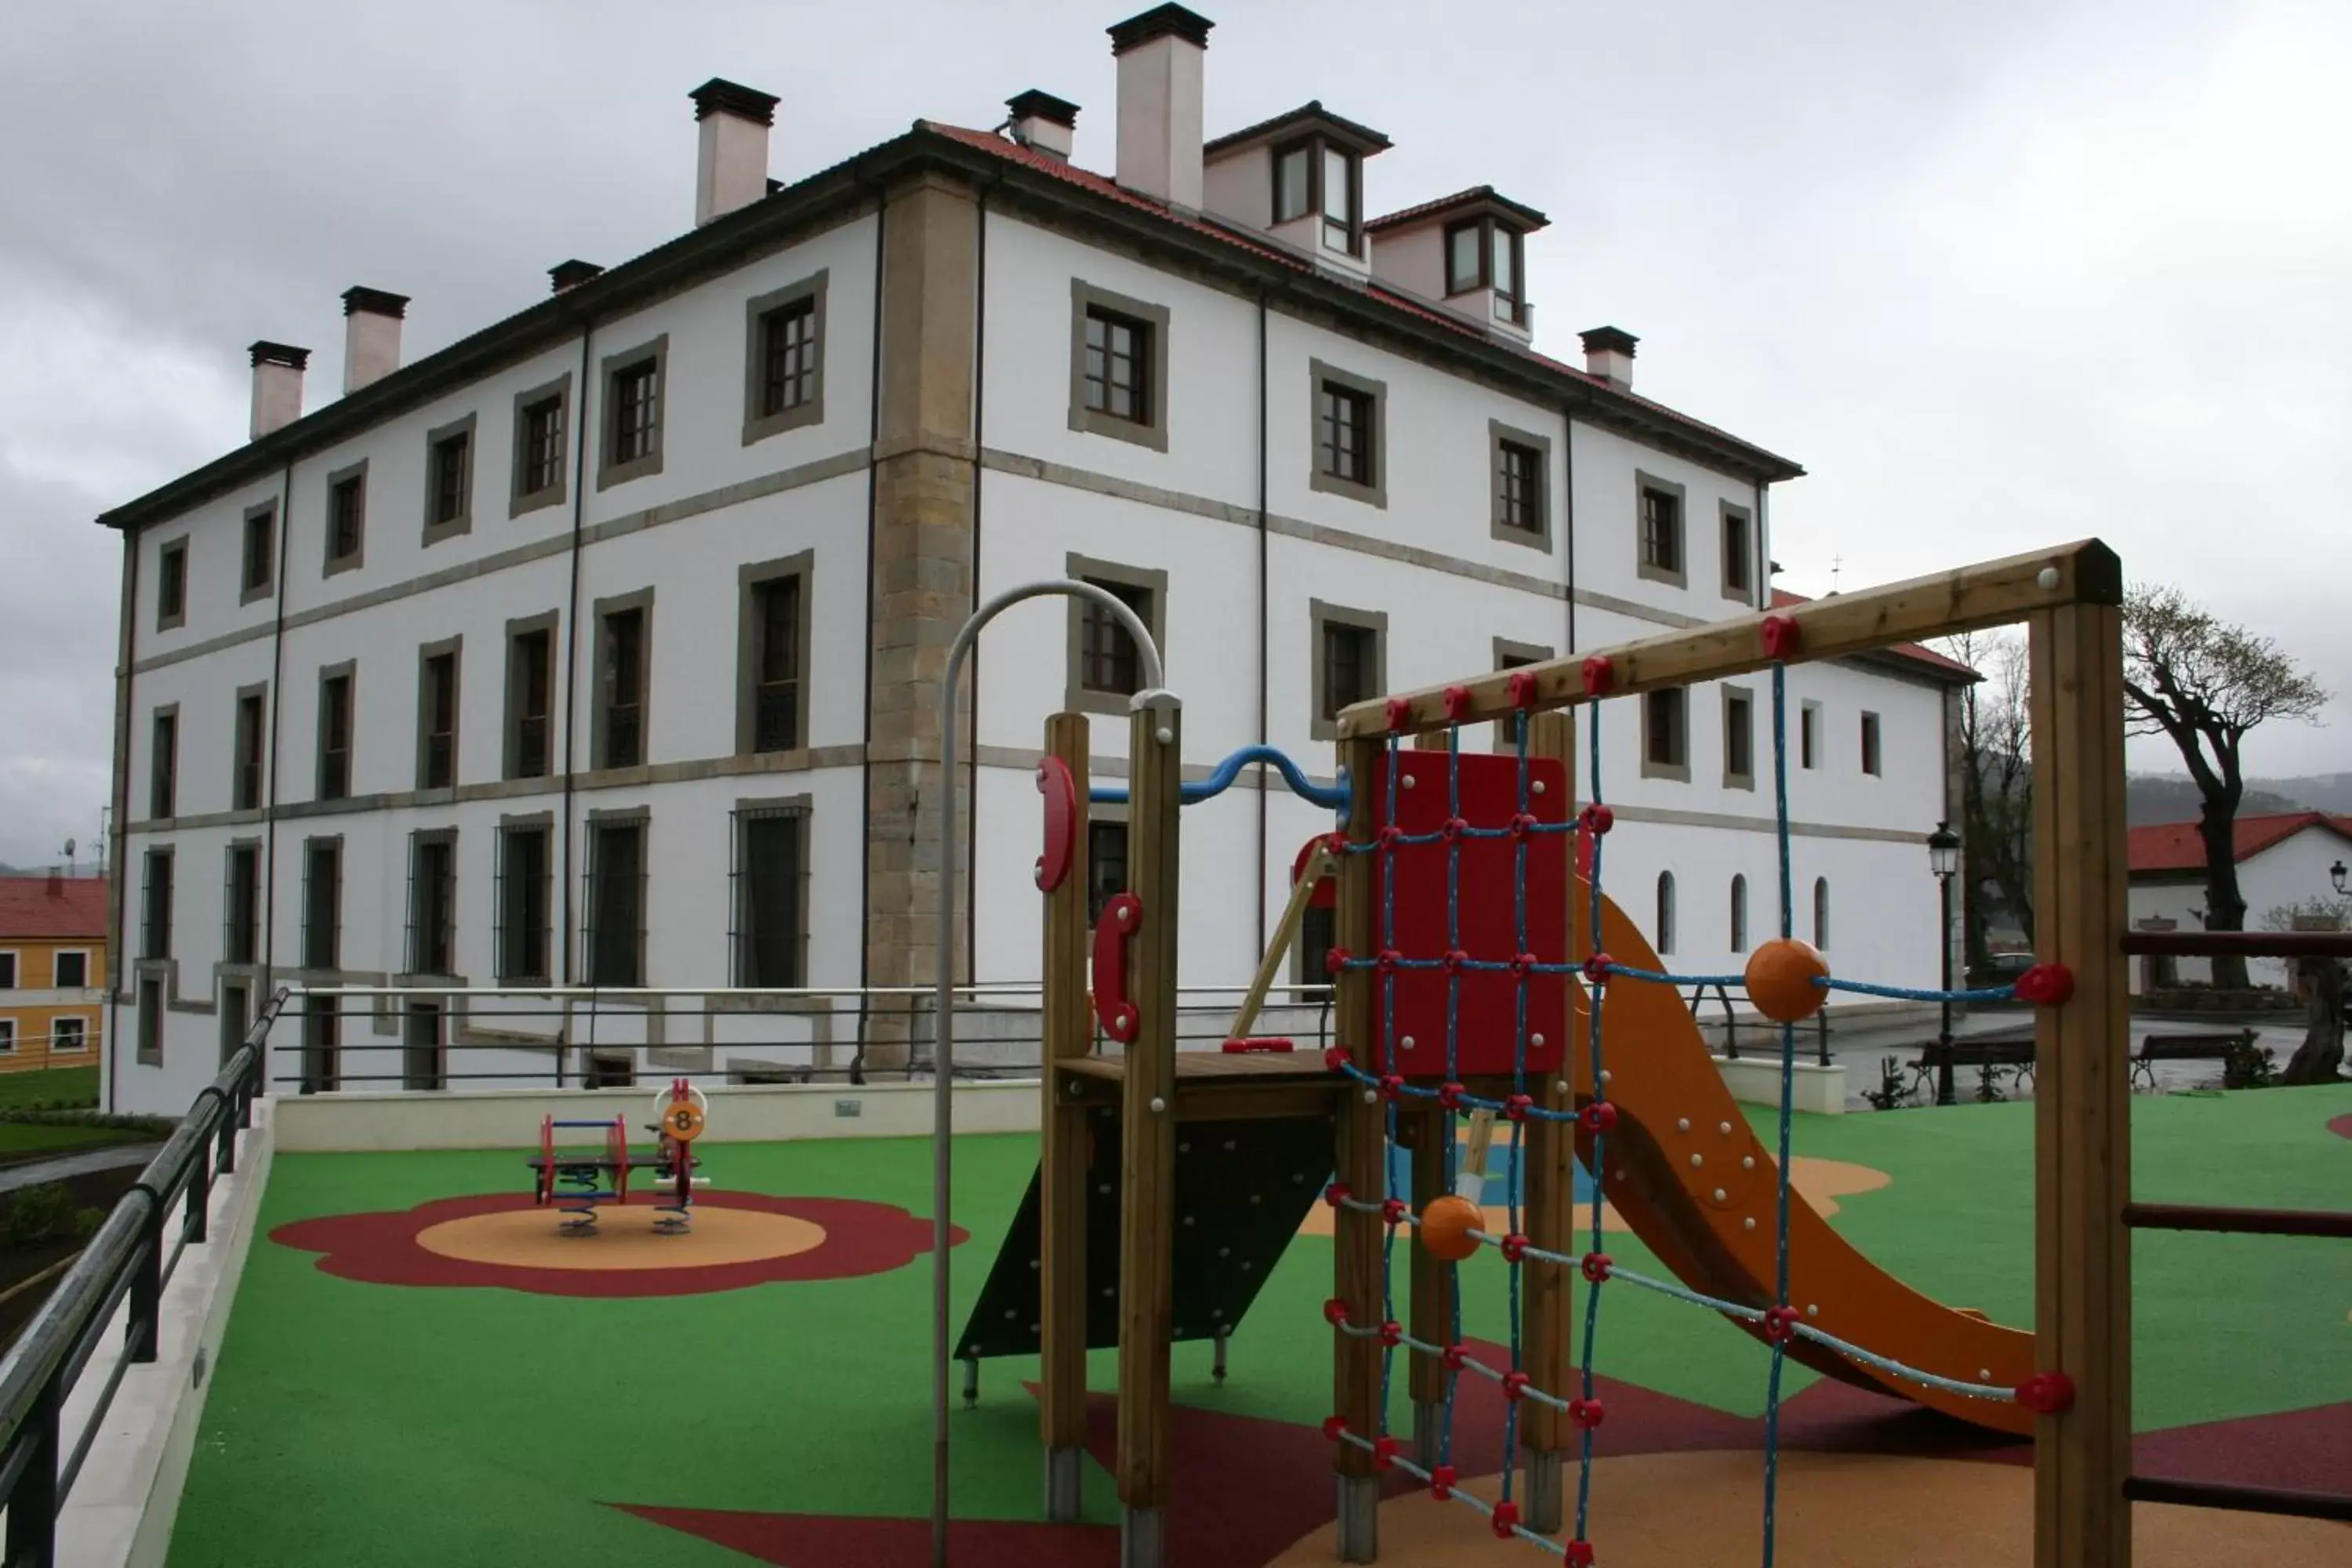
[1548,1153]
[1361,1138]
[1148,1176]
[1069,1031]
[2082,1098]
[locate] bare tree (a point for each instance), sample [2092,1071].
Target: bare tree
[2205,683]
[1996,785]
[2321,980]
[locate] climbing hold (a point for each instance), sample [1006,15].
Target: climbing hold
[1514,1247]
[2047,1393]
[1335,1058]
[2045,985]
[1522,688]
[1782,979]
[1449,1096]
[1448,1227]
[1392,1334]
[1455,1357]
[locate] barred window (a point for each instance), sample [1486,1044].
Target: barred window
[241,936]
[615,900]
[155,913]
[432,901]
[770,896]
[522,897]
[323,903]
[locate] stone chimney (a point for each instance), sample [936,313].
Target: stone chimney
[570,274]
[732,169]
[372,321]
[1160,56]
[1045,123]
[57,888]
[276,385]
[1608,354]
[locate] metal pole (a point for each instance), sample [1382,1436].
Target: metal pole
[1944,1094]
[943,993]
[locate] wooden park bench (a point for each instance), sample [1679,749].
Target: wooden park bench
[1988,1054]
[2210,1046]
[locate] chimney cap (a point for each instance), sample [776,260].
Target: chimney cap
[1608,340]
[1160,22]
[1035,104]
[374,302]
[569,274]
[266,353]
[719,96]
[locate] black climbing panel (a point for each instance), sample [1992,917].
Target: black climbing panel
[1242,1189]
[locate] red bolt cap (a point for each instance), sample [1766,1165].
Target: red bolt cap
[1392,1334]
[1391,1086]
[1335,1311]
[1577,1554]
[1449,1096]
[1441,1482]
[1585,1413]
[1388,961]
[1597,819]
[1598,1117]
[1516,1106]
[1596,968]
[1335,1194]
[1779,1324]
[1457,701]
[1394,1210]
[1335,959]
[1522,688]
[1600,675]
[1453,960]
[1507,1520]
[1335,1058]
[1451,828]
[2047,1393]
[1333,1426]
[1514,1247]
[1781,637]
[1388,835]
[1399,712]
[2045,985]
[1385,1452]
[1522,825]
[1596,1266]
[1454,1357]
[1515,1384]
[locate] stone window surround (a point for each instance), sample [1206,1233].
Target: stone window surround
[337,564]
[1320,613]
[641,599]
[758,427]
[800,809]
[1822,913]
[1539,537]
[512,726]
[347,670]
[1680,771]
[174,619]
[1317,375]
[455,647]
[1730,513]
[1077,697]
[228,898]
[147,1045]
[1667,915]
[1809,759]
[1152,430]
[435,532]
[1747,706]
[1680,577]
[1509,655]
[248,591]
[259,689]
[155,718]
[610,370]
[311,844]
[523,822]
[1874,745]
[748,578]
[417,838]
[167,853]
[642,818]
[519,501]
[1739,933]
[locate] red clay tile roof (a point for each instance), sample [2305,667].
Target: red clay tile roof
[2174,846]
[1782,599]
[1014,152]
[31,908]
[1475,193]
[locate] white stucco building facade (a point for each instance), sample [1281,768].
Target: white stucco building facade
[655,580]
[2285,860]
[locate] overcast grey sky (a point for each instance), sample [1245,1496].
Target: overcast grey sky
[2000,274]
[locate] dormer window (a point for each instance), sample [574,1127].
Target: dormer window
[1481,253]
[1317,176]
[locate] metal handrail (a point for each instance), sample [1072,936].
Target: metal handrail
[127,1258]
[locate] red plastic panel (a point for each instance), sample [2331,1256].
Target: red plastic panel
[1122,917]
[1061,793]
[1488,906]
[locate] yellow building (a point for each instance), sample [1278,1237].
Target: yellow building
[53,971]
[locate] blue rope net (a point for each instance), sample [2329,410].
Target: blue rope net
[1783,1323]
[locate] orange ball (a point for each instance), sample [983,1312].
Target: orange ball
[1447,1224]
[1781,979]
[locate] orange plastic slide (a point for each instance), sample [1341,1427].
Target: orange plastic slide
[1704,1200]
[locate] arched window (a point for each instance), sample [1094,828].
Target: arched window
[1665,911]
[1822,913]
[1739,914]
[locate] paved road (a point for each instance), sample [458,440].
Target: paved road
[113,1157]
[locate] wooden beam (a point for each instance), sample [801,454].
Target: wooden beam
[1362,1139]
[1995,593]
[1068,1032]
[1548,1153]
[1430,1279]
[1286,931]
[1148,1176]
[2083,1092]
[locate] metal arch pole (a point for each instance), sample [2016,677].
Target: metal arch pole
[943,994]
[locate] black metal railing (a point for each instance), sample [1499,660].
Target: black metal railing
[131,1257]
[776,716]
[624,735]
[531,746]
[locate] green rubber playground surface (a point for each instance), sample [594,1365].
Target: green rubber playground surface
[362,1424]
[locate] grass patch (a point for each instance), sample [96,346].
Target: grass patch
[49,1086]
[42,1138]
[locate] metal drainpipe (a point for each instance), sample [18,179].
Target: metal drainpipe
[1265,653]
[865,740]
[119,829]
[571,680]
[1568,517]
[270,800]
[979,445]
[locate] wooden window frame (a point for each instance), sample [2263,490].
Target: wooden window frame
[241,936]
[1152,323]
[1319,616]
[1374,490]
[348,671]
[557,490]
[1077,697]
[798,810]
[348,480]
[511,764]
[1318,208]
[164,761]
[1809,736]
[600,726]
[172,570]
[1678,574]
[438,442]
[453,649]
[1741,701]
[762,313]
[599,823]
[752,580]
[1502,439]
[1676,769]
[614,468]
[313,908]
[1738,525]
[1874,745]
[505,932]
[248,591]
[240,796]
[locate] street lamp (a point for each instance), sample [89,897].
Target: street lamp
[1944,860]
[2335,875]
